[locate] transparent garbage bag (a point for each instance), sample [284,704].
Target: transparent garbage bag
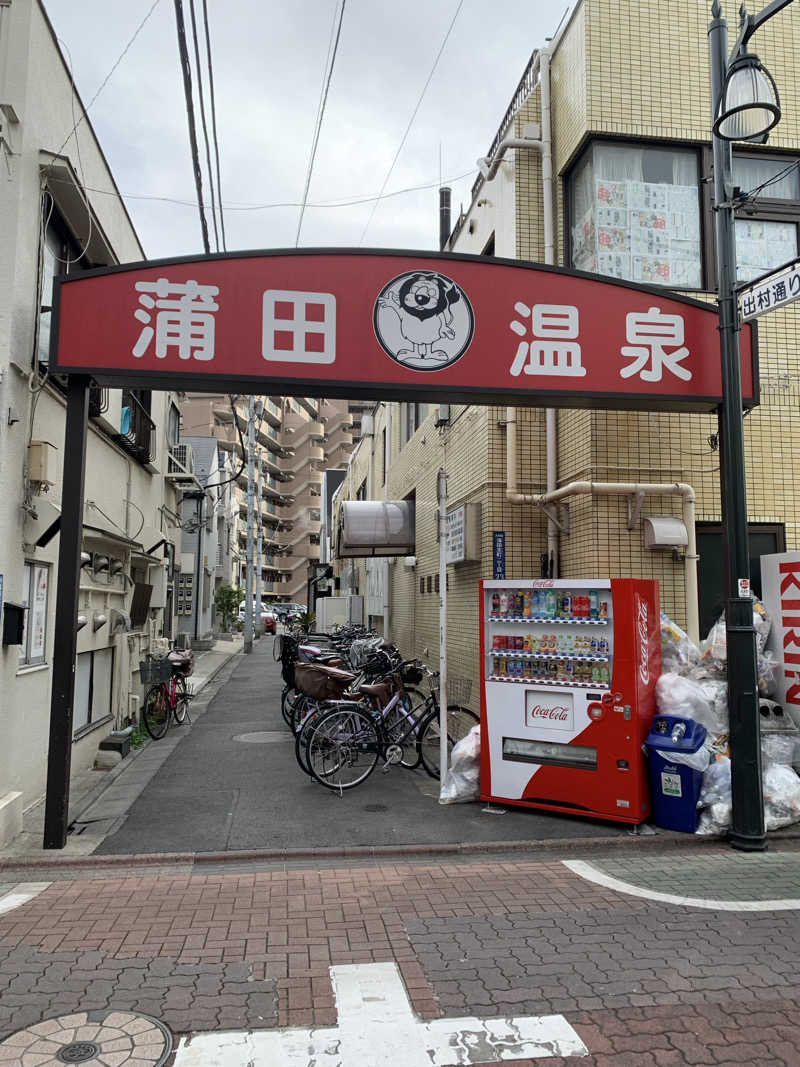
[781,796]
[690,699]
[777,749]
[462,779]
[714,804]
[713,650]
[679,653]
[698,760]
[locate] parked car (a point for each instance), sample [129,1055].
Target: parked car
[269,620]
[286,612]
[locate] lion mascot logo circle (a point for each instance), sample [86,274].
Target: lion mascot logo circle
[423,320]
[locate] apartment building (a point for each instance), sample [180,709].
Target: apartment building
[296,439]
[631,167]
[53,221]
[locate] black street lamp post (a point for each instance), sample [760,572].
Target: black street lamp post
[745,105]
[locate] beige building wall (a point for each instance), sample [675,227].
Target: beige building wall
[611,73]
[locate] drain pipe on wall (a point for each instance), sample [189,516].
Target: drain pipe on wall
[545,148]
[639,489]
[387,457]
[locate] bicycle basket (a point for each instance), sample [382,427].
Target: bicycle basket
[153,671]
[411,674]
[321,683]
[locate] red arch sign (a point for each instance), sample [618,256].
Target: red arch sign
[393,325]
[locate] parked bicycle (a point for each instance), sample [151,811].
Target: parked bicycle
[343,745]
[169,694]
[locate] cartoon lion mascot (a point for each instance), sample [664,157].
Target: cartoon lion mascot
[423,307]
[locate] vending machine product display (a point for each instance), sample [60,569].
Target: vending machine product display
[569,669]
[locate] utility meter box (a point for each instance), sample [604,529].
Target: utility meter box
[664,532]
[42,462]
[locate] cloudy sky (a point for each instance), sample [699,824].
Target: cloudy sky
[269,62]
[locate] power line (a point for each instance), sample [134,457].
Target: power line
[105,80]
[203,122]
[214,122]
[239,206]
[187,92]
[413,116]
[320,116]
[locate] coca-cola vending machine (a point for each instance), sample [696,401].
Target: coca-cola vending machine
[569,669]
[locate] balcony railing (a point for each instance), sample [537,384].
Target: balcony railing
[137,429]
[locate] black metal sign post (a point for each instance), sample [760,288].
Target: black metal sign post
[62,697]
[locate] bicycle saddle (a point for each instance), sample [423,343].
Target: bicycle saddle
[381,692]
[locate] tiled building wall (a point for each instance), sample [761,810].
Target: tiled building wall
[625,85]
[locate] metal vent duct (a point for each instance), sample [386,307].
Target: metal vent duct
[375,528]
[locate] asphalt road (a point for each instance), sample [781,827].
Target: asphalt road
[219,791]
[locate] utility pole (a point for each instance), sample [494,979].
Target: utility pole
[258,546]
[248,602]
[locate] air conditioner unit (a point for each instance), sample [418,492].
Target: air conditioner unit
[180,465]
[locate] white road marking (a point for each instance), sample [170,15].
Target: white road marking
[21,894]
[378,1028]
[592,874]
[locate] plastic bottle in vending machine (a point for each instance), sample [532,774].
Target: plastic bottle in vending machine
[495,603]
[605,676]
[535,602]
[528,610]
[550,604]
[566,604]
[594,604]
[603,609]
[504,603]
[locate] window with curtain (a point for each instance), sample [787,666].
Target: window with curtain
[766,226]
[635,214]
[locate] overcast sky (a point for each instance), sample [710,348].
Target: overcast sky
[269,60]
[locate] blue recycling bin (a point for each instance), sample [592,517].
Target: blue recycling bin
[674,786]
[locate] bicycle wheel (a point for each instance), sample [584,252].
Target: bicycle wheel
[155,712]
[288,698]
[343,749]
[182,697]
[460,721]
[398,725]
[303,733]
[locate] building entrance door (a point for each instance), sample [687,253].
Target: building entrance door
[764,539]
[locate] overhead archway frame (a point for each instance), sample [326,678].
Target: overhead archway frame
[393,325]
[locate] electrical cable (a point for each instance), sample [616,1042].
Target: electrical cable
[203,123]
[239,206]
[187,92]
[413,116]
[105,80]
[320,116]
[212,98]
[753,193]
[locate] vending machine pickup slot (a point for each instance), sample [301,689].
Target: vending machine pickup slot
[549,753]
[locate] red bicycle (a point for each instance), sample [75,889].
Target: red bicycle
[169,693]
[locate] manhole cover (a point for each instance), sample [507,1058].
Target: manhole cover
[375,807]
[93,1037]
[78,1052]
[264,737]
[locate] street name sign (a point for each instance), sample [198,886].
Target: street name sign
[392,325]
[770,291]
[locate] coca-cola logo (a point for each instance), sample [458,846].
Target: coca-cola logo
[644,642]
[559,714]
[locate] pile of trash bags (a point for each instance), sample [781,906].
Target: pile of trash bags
[694,686]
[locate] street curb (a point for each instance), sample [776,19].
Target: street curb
[569,845]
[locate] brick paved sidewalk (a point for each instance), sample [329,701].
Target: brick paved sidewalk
[641,983]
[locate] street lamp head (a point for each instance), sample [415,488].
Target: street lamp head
[749,105]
